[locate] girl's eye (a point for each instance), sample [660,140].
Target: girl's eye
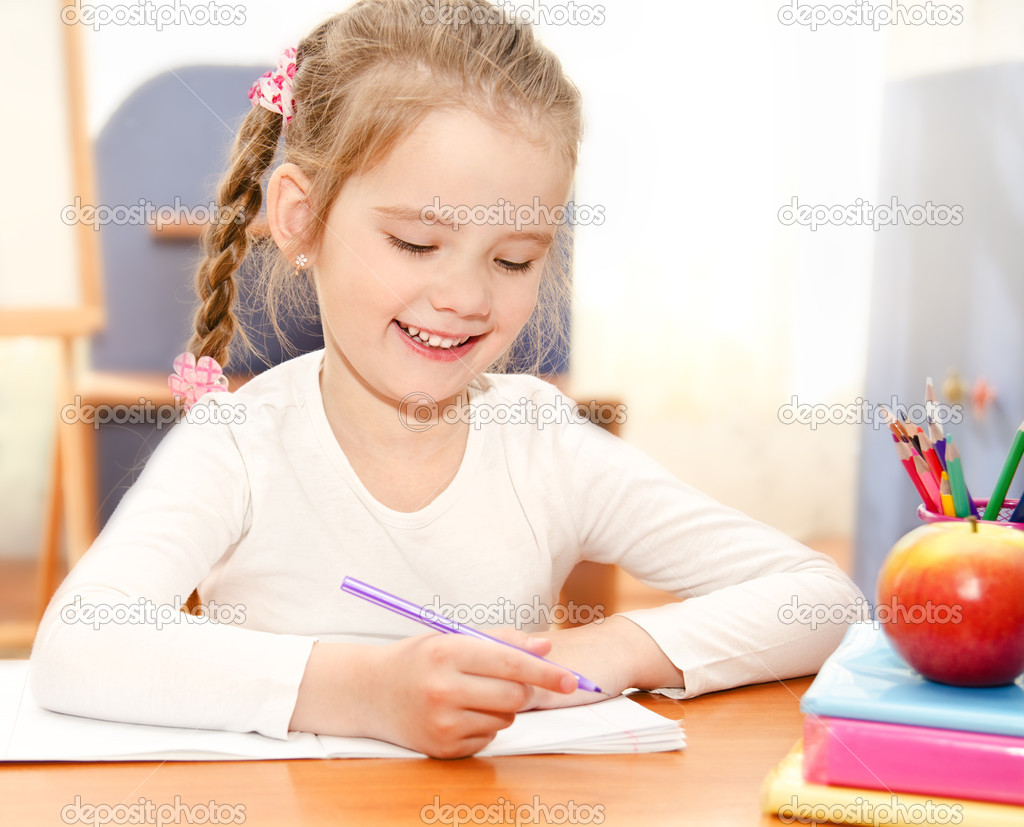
[514,266]
[423,249]
[415,249]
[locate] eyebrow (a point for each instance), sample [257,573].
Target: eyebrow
[401,213]
[541,237]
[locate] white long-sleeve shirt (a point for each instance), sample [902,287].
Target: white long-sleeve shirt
[265,513]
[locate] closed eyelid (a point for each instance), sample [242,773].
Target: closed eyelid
[409,246]
[424,249]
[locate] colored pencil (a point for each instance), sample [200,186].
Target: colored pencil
[893,423]
[1018,513]
[935,434]
[907,460]
[938,440]
[930,483]
[947,498]
[956,479]
[901,425]
[911,432]
[930,457]
[1006,475]
[929,400]
[970,503]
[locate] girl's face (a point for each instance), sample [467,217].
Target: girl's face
[390,276]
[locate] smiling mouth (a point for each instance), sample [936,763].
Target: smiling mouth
[422,337]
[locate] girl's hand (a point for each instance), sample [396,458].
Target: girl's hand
[448,695]
[615,653]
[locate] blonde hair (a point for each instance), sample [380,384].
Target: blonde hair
[364,79]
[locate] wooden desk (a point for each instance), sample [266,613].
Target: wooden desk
[734,738]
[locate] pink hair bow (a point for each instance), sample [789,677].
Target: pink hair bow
[273,90]
[192,380]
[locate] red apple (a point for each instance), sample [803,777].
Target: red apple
[951,600]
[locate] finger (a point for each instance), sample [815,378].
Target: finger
[511,664]
[535,645]
[538,646]
[477,735]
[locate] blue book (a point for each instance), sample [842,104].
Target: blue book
[867,680]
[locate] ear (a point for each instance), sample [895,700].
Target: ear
[288,214]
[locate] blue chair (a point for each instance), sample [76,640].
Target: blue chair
[165,146]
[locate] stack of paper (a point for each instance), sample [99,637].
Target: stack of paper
[878,730]
[30,733]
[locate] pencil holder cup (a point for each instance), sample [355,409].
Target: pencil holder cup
[1003,519]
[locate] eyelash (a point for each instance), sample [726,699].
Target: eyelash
[420,250]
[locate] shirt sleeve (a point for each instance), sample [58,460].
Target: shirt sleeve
[113,643]
[739,579]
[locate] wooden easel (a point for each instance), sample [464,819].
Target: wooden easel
[70,497]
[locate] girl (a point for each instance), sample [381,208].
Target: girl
[395,126]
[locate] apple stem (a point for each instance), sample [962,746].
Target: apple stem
[974,524]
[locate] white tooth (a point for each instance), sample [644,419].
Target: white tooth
[435,340]
[447,342]
[413,331]
[424,337]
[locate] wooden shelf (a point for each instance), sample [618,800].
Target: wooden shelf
[51,321]
[185,231]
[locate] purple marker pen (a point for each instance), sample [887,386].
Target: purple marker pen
[440,623]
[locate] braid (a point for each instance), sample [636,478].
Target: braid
[225,240]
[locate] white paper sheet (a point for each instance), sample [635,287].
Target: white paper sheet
[30,733]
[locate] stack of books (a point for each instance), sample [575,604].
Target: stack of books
[883,745]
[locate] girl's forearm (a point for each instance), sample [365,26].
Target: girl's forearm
[649,667]
[331,696]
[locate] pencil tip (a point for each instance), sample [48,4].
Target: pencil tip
[952,452]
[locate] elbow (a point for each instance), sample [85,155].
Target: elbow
[53,664]
[45,672]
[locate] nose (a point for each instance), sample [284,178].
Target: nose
[464,288]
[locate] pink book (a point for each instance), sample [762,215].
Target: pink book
[844,752]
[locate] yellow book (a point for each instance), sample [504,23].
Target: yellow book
[785,794]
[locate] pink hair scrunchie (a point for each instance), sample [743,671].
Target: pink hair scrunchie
[273,90]
[192,380]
